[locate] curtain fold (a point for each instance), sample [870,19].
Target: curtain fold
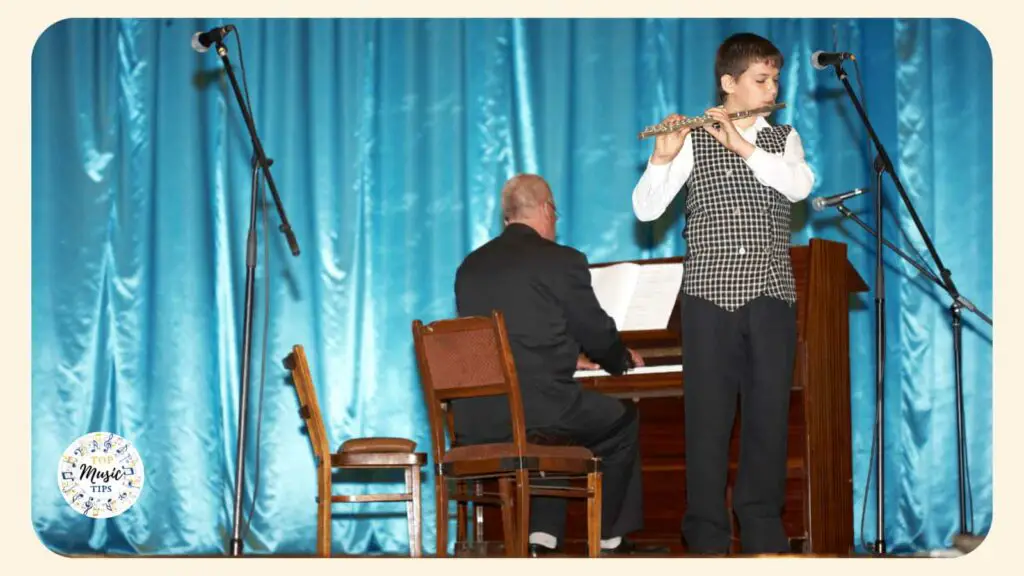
[391,140]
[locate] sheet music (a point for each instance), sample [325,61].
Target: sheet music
[614,287]
[641,370]
[654,297]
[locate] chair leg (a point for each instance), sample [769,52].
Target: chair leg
[594,514]
[508,525]
[441,493]
[323,513]
[462,516]
[523,508]
[412,485]
[478,514]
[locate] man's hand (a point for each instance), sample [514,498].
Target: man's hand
[638,360]
[727,134]
[584,363]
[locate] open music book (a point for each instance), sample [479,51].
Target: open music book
[638,296]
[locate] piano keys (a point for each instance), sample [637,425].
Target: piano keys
[643,382]
[596,374]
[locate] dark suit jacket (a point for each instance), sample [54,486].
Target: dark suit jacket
[551,315]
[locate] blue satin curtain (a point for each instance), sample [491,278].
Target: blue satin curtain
[391,140]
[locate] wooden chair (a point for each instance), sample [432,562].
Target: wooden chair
[471,357]
[364,453]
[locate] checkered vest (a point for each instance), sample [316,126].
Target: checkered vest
[737,229]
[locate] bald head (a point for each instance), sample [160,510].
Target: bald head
[523,200]
[522,195]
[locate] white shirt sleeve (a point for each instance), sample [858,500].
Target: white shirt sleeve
[661,182]
[788,173]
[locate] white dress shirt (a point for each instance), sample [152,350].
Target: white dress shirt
[787,173]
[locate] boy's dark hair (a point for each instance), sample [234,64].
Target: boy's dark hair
[738,52]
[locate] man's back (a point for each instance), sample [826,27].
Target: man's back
[544,292]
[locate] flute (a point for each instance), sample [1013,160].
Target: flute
[698,121]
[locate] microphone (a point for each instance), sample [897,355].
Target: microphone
[822,60]
[820,203]
[201,41]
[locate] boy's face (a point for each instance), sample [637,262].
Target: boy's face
[757,86]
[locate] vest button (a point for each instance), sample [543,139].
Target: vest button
[743,250]
[736,212]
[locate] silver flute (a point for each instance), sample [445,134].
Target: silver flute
[698,121]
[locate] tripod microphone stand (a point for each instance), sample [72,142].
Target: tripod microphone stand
[260,163]
[878,546]
[882,165]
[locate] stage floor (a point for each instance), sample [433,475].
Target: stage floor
[962,545]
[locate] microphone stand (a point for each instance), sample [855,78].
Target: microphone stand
[879,545]
[260,163]
[946,283]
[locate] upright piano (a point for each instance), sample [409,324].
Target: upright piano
[818,513]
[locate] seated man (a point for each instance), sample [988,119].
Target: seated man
[552,316]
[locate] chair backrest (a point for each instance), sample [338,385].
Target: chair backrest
[309,408]
[466,358]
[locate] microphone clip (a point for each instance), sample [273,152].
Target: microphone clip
[822,60]
[201,41]
[821,203]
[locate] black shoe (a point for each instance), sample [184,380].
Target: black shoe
[630,548]
[693,551]
[540,550]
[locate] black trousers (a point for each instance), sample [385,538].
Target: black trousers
[610,429]
[749,352]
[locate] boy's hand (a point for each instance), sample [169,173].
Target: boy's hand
[667,146]
[727,134]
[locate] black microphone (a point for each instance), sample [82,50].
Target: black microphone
[820,204]
[822,60]
[201,41]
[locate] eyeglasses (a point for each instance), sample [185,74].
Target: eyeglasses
[553,209]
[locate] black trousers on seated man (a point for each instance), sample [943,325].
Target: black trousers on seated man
[748,352]
[606,426]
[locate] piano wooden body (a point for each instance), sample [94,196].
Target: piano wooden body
[818,513]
